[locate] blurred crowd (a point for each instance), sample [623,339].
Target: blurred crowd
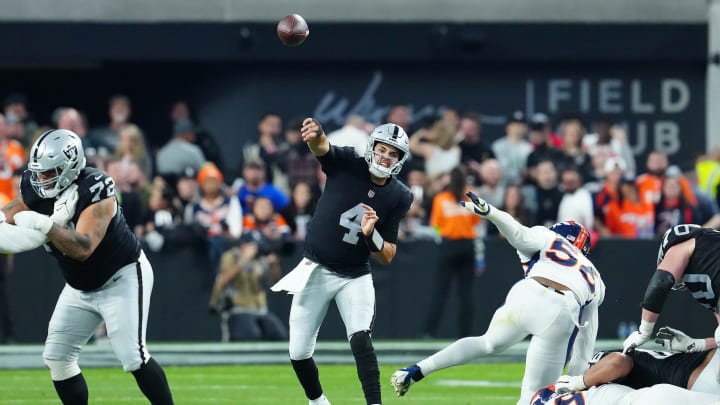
[180,194]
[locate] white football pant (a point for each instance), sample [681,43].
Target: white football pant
[354,297]
[529,309]
[122,302]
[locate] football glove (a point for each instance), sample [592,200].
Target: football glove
[639,337]
[478,206]
[33,220]
[678,341]
[64,208]
[570,383]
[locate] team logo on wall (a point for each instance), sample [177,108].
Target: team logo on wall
[371,194]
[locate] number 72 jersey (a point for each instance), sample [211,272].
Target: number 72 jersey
[702,274]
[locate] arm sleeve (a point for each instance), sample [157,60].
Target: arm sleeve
[526,240]
[16,239]
[336,158]
[235,218]
[389,229]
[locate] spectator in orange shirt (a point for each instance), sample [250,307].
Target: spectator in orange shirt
[12,157]
[630,216]
[456,254]
[650,182]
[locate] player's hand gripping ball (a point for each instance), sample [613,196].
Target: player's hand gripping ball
[292,30]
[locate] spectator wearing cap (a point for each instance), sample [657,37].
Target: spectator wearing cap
[630,216]
[544,149]
[119,112]
[12,158]
[540,122]
[180,152]
[473,150]
[19,120]
[220,215]
[180,113]
[254,186]
[614,171]
[513,149]
[573,155]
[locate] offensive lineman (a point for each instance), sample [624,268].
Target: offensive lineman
[73,211]
[688,258]
[358,215]
[560,288]
[643,377]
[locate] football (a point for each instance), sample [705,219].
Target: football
[292,30]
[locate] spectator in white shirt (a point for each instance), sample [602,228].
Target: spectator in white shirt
[576,203]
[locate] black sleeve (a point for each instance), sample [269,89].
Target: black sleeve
[337,159]
[389,229]
[95,187]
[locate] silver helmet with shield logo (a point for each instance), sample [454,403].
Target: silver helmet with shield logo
[55,161]
[392,135]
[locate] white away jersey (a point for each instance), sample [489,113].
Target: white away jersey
[558,260]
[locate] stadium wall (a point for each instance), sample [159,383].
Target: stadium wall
[179,309]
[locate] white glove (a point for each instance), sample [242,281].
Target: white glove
[570,383]
[639,337]
[717,339]
[678,341]
[478,206]
[33,220]
[64,208]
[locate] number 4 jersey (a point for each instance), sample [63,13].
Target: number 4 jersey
[119,246]
[334,238]
[702,274]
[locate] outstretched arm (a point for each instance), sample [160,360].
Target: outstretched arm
[314,136]
[16,239]
[526,240]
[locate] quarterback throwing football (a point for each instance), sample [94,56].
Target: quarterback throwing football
[358,215]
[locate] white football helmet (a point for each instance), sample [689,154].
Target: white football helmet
[389,134]
[58,150]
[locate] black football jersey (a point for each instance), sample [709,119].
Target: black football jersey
[334,237]
[702,275]
[118,248]
[658,367]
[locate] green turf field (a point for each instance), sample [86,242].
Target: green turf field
[486,384]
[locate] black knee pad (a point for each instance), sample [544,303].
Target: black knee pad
[360,342]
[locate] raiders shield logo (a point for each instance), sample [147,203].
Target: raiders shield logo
[371,194]
[71,152]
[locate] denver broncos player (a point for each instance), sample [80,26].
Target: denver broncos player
[73,211]
[357,215]
[688,258]
[558,298]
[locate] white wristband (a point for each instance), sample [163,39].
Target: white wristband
[646,328]
[375,241]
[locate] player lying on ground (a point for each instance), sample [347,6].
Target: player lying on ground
[643,377]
